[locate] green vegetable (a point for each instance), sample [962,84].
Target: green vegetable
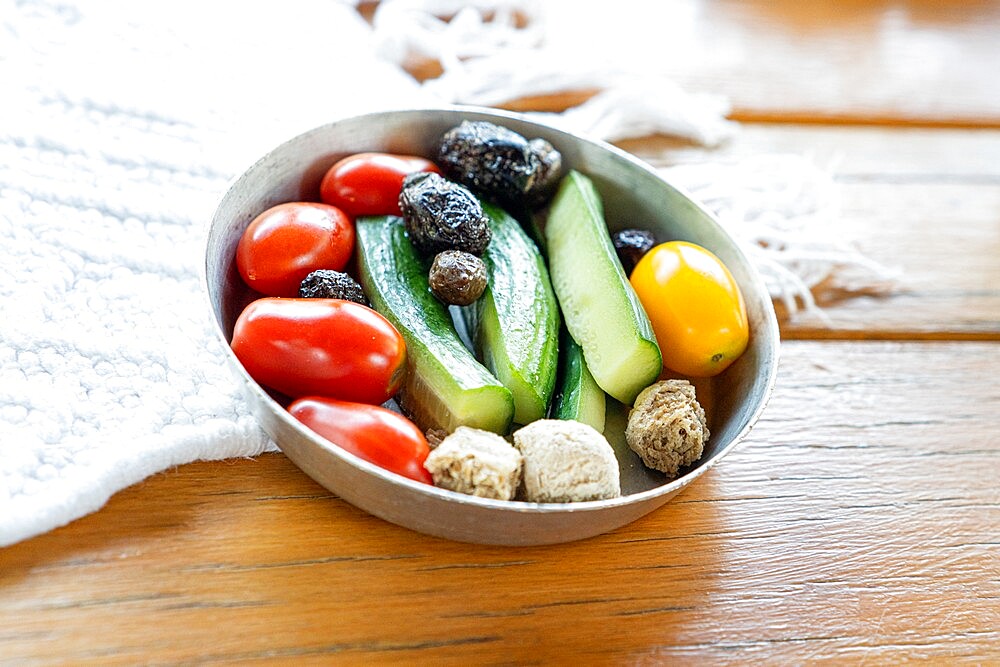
[578,398]
[515,323]
[445,387]
[599,306]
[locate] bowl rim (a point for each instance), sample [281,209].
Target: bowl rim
[772,350]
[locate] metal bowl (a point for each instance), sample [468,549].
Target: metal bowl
[634,196]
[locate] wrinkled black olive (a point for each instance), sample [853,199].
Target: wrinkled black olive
[631,245]
[441,215]
[328,284]
[549,170]
[499,162]
[457,277]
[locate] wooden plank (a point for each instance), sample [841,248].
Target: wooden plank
[923,202]
[919,61]
[858,523]
[892,155]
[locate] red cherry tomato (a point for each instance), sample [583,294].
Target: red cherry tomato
[380,436]
[320,347]
[286,243]
[369,183]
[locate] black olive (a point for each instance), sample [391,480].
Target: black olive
[441,215]
[457,277]
[549,171]
[327,284]
[499,162]
[631,245]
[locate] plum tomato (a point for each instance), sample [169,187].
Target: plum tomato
[369,183]
[695,306]
[287,242]
[320,347]
[379,436]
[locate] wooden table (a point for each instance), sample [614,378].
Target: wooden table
[859,523]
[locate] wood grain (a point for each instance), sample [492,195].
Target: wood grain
[925,203]
[858,523]
[884,62]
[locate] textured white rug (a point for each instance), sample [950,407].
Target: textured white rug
[120,125]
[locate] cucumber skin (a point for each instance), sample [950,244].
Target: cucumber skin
[445,387]
[515,323]
[599,306]
[579,398]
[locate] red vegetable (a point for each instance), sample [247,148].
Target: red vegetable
[320,347]
[369,183]
[380,436]
[287,242]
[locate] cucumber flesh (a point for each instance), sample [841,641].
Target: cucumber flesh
[515,323]
[599,306]
[578,397]
[445,387]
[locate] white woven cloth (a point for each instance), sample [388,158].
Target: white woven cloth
[121,124]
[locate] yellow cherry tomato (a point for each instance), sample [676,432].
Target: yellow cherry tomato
[696,308]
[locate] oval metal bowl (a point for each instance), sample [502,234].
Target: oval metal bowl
[634,196]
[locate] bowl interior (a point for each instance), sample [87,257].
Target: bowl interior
[633,194]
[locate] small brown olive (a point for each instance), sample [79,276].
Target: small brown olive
[457,278]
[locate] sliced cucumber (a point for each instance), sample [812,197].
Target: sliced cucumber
[515,323]
[578,398]
[599,306]
[445,387]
